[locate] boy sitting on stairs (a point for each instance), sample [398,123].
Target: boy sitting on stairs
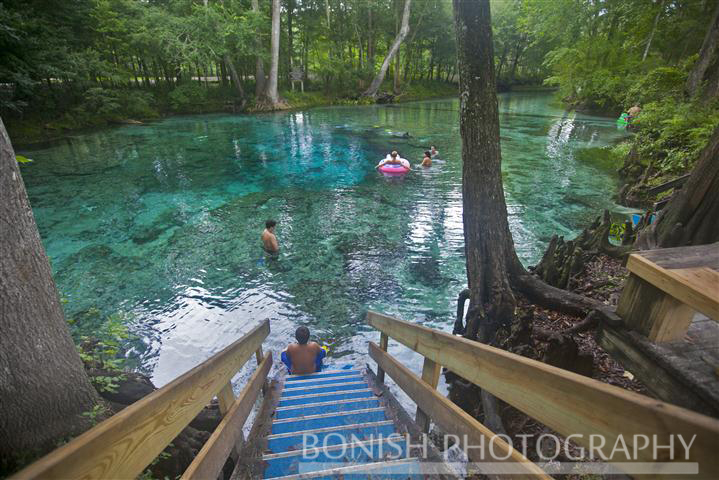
[303,357]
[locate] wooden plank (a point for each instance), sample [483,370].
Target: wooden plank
[452,418]
[430,375]
[663,374]
[568,403]
[123,445]
[259,356]
[653,313]
[212,457]
[225,398]
[684,257]
[689,289]
[668,185]
[383,342]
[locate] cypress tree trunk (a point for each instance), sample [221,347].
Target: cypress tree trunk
[404,30]
[235,79]
[704,77]
[43,386]
[488,242]
[259,64]
[654,29]
[271,88]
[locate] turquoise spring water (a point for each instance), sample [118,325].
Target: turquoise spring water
[163,220]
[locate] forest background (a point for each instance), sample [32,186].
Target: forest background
[86,63]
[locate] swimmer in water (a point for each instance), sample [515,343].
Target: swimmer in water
[269,239]
[433,151]
[427,160]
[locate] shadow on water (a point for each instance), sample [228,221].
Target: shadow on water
[163,220]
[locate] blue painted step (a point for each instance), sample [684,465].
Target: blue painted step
[326,397]
[294,462]
[324,381]
[406,469]
[343,418]
[330,435]
[327,407]
[293,392]
[325,374]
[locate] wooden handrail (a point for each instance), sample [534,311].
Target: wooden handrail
[568,403]
[126,443]
[455,420]
[211,458]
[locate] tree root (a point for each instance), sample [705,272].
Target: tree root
[563,260]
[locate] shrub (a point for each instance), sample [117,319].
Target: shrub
[188,97]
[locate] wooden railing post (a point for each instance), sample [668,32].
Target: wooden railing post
[383,341]
[259,356]
[430,376]
[226,398]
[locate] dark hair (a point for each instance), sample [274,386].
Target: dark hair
[302,334]
[427,153]
[270,223]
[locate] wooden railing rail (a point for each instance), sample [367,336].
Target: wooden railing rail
[454,420]
[566,402]
[126,443]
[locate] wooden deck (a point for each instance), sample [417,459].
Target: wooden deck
[670,307]
[682,372]
[666,287]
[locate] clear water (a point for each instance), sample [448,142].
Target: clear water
[163,220]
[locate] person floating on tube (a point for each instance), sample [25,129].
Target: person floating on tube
[304,356]
[394,159]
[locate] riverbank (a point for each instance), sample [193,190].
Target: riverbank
[117,107]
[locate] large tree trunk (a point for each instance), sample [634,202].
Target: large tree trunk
[403,31]
[259,64]
[690,217]
[271,90]
[370,37]
[235,79]
[704,77]
[654,29]
[290,10]
[488,242]
[43,386]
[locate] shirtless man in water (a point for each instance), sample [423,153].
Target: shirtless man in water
[269,240]
[304,356]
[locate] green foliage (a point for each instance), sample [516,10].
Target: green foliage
[21,159]
[672,134]
[92,62]
[188,97]
[100,344]
[97,413]
[617,231]
[658,83]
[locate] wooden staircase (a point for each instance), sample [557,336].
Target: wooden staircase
[332,425]
[345,423]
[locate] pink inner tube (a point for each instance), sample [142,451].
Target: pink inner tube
[393,169]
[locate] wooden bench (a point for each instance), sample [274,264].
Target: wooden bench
[666,287]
